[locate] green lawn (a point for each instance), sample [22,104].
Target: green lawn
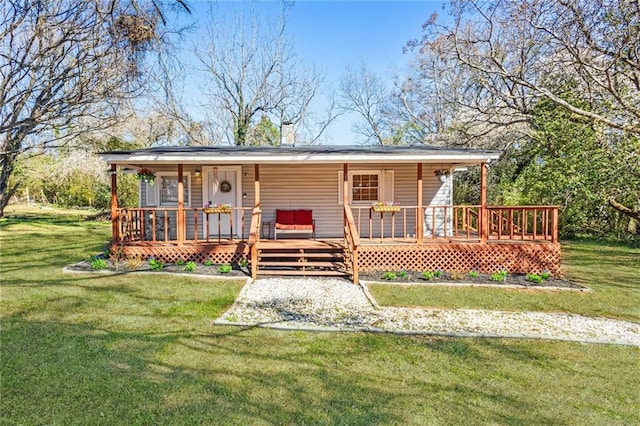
[141,349]
[611,271]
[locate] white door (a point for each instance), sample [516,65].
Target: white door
[222,186]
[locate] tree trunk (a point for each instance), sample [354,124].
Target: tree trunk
[624,209]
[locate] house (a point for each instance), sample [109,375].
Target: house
[220,203]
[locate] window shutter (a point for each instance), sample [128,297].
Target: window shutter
[387,185]
[152,199]
[340,187]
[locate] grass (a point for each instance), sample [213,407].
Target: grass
[611,271]
[119,349]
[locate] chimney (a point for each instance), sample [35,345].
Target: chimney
[287,134]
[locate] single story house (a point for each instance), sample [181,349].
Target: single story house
[324,210]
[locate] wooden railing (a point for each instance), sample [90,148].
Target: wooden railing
[523,223]
[254,240]
[160,224]
[458,223]
[352,242]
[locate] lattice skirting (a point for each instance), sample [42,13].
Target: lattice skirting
[218,254]
[462,257]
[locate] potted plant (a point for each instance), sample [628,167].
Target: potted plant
[386,206]
[146,175]
[210,208]
[442,174]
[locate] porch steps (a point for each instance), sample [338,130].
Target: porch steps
[300,259]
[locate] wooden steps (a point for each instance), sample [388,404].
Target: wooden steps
[301,258]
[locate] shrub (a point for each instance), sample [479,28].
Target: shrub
[499,276]
[427,275]
[180,262]
[225,268]
[473,273]
[535,278]
[133,263]
[156,265]
[190,266]
[404,275]
[389,276]
[455,275]
[208,262]
[437,273]
[98,263]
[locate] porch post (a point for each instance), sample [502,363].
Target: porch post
[180,215]
[256,183]
[484,214]
[345,189]
[114,207]
[420,217]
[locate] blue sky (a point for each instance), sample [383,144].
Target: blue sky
[333,34]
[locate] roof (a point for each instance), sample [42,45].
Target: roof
[302,154]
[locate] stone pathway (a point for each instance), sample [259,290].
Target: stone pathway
[338,305]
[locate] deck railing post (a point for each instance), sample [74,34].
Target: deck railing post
[484,213]
[420,212]
[181,228]
[554,225]
[115,234]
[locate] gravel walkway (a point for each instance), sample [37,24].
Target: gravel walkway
[338,305]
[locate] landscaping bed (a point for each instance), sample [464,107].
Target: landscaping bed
[469,279]
[102,263]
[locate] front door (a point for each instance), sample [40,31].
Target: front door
[222,186]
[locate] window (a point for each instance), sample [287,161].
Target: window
[167,185]
[365,187]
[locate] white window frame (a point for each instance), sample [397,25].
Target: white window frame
[385,185]
[377,173]
[186,181]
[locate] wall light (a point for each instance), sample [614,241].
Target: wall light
[197,173]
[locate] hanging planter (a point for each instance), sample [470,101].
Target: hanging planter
[442,174]
[146,175]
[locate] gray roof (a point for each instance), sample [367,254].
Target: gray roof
[298,154]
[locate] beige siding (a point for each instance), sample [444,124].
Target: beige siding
[316,187]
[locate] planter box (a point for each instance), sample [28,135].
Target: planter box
[386,208]
[219,210]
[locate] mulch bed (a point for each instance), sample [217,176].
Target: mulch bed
[413,277]
[520,280]
[236,272]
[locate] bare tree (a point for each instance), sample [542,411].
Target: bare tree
[515,55]
[365,93]
[518,51]
[253,70]
[66,68]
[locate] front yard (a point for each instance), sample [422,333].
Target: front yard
[141,349]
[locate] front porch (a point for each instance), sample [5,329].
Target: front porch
[518,239]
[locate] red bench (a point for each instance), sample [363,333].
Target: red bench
[294,222]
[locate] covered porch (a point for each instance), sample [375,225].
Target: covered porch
[414,235]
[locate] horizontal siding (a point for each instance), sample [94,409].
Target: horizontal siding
[316,187]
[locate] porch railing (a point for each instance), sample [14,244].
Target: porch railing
[160,224]
[458,223]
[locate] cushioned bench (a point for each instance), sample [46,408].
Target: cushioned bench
[294,222]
